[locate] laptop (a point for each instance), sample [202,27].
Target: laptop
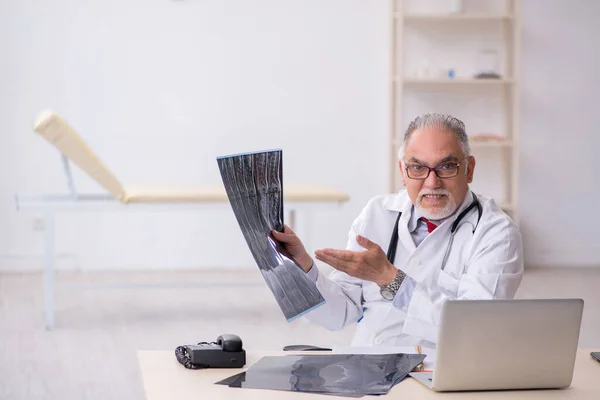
[505,344]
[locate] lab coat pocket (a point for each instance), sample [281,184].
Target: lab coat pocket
[447,284]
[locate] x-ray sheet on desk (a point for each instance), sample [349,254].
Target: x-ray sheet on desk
[430,353]
[351,375]
[254,186]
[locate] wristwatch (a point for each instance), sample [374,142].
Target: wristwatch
[389,291]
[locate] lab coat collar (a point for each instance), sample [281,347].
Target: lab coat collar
[401,203]
[466,203]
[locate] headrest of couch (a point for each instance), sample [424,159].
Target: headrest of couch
[59,133]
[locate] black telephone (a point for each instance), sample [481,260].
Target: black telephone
[226,352]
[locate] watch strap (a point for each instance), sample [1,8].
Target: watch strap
[395,284]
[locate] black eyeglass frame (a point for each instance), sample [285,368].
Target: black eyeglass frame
[435,169]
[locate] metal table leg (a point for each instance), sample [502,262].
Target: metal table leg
[49,270]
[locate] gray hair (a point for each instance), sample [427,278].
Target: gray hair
[444,121]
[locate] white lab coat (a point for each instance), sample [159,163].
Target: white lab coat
[485,265]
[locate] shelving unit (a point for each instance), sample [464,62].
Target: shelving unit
[455,82]
[486,105]
[454,17]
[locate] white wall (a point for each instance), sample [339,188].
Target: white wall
[159,88]
[560,186]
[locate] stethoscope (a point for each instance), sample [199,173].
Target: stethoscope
[391,252]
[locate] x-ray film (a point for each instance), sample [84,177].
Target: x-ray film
[351,375]
[254,186]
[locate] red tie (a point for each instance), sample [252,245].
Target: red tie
[430,225]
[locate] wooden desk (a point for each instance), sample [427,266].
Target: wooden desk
[165,379]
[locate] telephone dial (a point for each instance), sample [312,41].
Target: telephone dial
[226,352]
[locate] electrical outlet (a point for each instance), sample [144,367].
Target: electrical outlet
[38,224]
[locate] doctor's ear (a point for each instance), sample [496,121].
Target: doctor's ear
[470,169]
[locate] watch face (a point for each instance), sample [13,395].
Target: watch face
[387,294]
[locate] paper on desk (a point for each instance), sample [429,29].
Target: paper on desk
[429,361]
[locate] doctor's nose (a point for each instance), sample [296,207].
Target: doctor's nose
[432,181]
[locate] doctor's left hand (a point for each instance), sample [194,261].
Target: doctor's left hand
[370,265]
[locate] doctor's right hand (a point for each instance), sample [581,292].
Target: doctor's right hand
[294,246]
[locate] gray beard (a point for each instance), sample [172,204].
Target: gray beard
[436,214]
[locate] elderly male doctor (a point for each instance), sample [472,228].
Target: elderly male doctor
[449,243]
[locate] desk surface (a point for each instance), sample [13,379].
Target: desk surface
[164,378]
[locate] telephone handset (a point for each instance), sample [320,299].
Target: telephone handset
[230,342]
[226,352]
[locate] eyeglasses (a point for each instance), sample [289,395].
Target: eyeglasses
[443,171]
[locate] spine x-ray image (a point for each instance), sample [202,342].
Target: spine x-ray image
[254,186]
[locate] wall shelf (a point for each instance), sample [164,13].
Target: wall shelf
[460,17]
[428,41]
[456,82]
